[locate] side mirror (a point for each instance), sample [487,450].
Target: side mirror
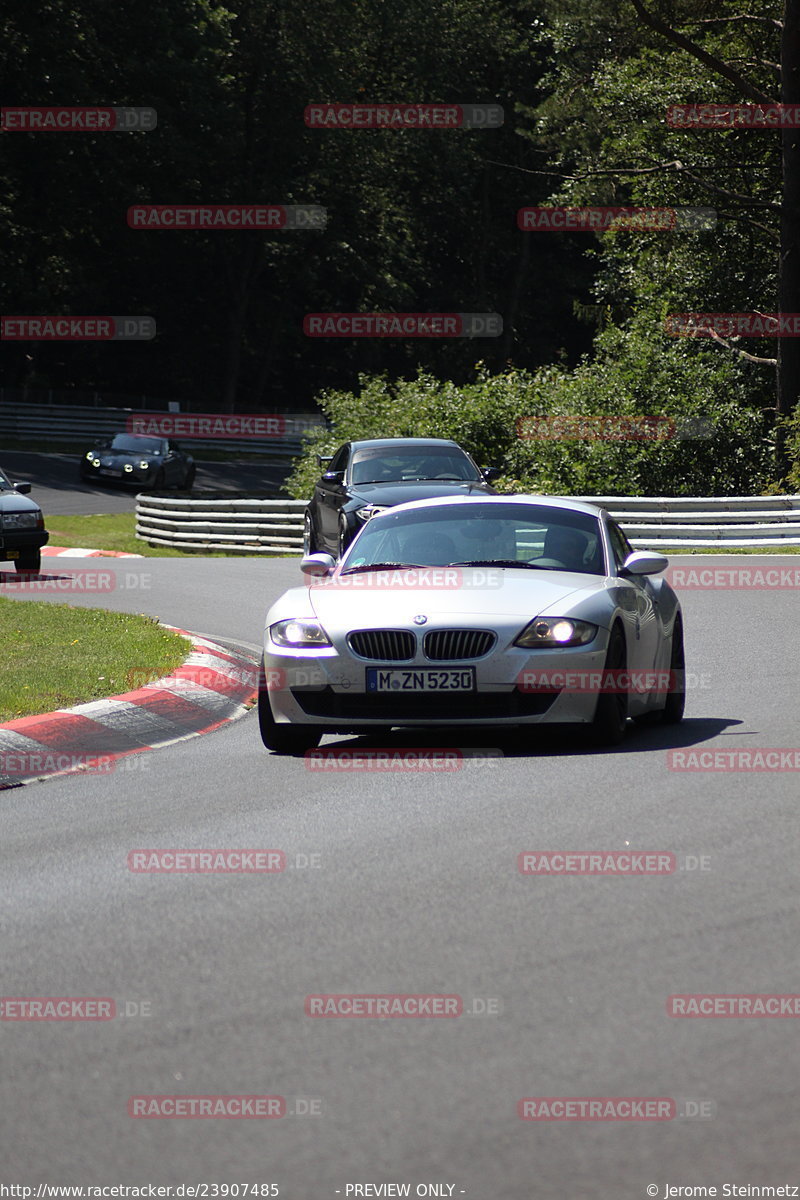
[644,562]
[317,565]
[322,459]
[333,476]
[491,473]
[23,488]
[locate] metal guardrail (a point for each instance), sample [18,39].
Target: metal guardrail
[697,521]
[246,523]
[264,525]
[81,425]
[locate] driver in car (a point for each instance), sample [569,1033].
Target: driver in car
[567,546]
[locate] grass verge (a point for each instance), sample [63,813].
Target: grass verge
[116,531]
[55,656]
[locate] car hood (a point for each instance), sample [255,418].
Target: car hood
[413,489]
[14,502]
[474,592]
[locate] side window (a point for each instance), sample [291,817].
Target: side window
[619,543]
[339,460]
[174,446]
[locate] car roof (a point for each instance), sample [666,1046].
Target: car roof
[558,502]
[414,443]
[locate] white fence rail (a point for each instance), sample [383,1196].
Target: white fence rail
[268,526]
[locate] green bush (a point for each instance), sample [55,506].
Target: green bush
[720,443]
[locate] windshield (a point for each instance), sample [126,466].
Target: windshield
[136,445]
[4,482]
[428,462]
[504,535]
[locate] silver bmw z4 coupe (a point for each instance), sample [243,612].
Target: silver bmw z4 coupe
[499,611]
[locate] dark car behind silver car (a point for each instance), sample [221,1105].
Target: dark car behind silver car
[22,531]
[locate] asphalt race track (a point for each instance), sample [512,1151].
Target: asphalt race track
[416,890]
[59,491]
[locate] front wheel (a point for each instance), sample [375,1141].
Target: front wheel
[672,712]
[29,560]
[611,715]
[344,539]
[309,536]
[189,481]
[283,739]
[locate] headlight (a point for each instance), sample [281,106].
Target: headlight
[90,455]
[23,520]
[127,467]
[95,462]
[143,466]
[556,631]
[299,634]
[370,510]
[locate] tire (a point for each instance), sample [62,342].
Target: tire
[309,536]
[282,739]
[611,715]
[29,560]
[672,712]
[189,481]
[343,539]
[159,481]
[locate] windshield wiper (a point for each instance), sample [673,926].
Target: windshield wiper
[501,562]
[383,566]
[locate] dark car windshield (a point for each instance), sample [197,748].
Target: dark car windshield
[4,482]
[554,539]
[136,445]
[387,465]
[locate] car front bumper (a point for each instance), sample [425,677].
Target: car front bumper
[327,689]
[14,540]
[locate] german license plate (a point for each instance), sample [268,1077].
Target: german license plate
[11,553]
[424,679]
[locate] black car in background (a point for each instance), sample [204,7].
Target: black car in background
[22,531]
[132,458]
[367,476]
